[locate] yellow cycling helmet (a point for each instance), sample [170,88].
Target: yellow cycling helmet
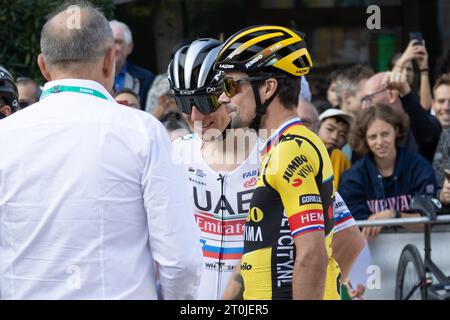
[262,47]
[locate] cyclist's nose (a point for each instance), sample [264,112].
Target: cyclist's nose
[196,115]
[224,99]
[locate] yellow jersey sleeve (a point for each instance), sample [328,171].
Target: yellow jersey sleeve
[301,172]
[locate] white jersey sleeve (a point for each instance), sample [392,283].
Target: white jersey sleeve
[343,218]
[174,235]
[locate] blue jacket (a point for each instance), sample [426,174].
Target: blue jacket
[366,192]
[145,78]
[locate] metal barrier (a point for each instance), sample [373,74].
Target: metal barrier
[376,268]
[403,221]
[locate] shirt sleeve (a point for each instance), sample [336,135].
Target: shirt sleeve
[173,234]
[343,218]
[292,173]
[425,127]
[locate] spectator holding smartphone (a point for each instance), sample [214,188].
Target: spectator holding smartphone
[416,51]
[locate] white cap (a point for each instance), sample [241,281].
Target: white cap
[338,113]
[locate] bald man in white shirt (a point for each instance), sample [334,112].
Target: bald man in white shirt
[90,200]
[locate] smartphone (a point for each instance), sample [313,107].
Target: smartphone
[447,174]
[416,36]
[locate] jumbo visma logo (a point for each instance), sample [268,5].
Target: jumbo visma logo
[255,214]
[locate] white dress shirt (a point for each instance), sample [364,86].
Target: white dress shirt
[89,200]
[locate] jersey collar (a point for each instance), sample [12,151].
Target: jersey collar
[272,140]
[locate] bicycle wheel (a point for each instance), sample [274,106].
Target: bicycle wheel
[410,284]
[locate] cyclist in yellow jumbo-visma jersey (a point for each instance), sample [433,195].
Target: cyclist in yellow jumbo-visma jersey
[293,197]
[287,237]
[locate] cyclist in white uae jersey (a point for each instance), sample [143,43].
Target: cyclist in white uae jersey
[221,190]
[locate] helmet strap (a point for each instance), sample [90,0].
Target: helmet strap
[260,107]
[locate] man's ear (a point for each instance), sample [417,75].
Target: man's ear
[43,67]
[270,88]
[109,63]
[6,110]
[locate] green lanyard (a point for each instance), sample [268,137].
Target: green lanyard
[58,88]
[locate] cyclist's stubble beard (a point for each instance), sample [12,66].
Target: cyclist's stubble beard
[237,121]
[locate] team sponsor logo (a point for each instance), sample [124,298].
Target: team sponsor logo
[253,233]
[199,173]
[211,89]
[197,181]
[310,198]
[339,204]
[186,92]
[298,166]
[302,70]
[203,201]
[297,182]
[255,215]
[214,226]
[250,183]
[306,221]
[285,254]
[253,61]
[275,47]
[226,66]
[219,266]
[245,266]
[250,174]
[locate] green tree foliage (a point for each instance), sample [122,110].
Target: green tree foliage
[21,22]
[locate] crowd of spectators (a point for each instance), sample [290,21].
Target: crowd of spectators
[388,141]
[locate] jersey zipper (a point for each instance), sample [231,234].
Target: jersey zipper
[222,205]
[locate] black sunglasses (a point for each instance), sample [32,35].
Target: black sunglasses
[206,99]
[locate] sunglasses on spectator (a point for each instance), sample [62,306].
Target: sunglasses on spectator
[368,98]
[206,99]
